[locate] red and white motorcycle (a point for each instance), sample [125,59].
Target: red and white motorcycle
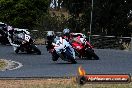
[82,47]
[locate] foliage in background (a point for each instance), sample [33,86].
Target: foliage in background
[22,13]
[110,17]
[48,22]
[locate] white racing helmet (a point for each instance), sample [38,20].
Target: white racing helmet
[50,35]
[21,36]
[66,30]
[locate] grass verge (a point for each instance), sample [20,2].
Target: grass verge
[55,83]
[2,64]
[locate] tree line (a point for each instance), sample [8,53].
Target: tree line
[110,17]
[22,13]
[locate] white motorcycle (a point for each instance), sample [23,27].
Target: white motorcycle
[25,44]
[62,49]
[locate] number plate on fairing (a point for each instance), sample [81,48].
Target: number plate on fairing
[27,38]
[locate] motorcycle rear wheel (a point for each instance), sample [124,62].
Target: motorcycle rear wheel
[90,53]
[36,50]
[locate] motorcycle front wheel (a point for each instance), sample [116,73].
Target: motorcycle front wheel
[70,57]
[55,56]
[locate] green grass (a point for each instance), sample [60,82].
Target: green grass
[2,64]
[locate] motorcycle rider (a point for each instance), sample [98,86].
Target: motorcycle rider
[10,30]
[68,37]
[66,34]
[17,39]
[50,38]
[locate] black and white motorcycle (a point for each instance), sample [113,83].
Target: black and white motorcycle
[24,43]
[62,48]
[3,34]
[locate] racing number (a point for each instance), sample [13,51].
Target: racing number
[27,37]
[59,43]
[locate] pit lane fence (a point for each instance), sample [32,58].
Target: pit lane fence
[111,42]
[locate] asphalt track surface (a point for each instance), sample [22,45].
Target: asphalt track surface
[111,62]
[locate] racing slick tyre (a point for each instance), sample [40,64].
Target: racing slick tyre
[70,57]
[36,50]
[91,53]
[73,61]
[95,56]
[55,56]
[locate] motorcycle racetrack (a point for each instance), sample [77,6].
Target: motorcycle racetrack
[111,62]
